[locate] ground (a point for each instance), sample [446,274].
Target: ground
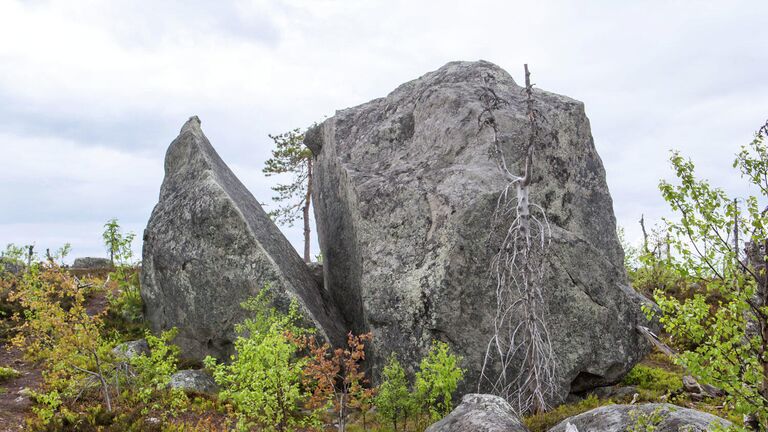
[14,405]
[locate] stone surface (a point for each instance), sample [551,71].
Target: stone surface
[131,349]
[480,413]
[11,266]
[621,418]
[92,263]
[209,246]
[614,392]
[194,381]
[317,271]
[406,187]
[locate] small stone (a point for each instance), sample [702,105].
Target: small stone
[194,381]
[131,349]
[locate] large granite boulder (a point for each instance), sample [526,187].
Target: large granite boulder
[406,188]
[656,417]
[209,246]
[480,413]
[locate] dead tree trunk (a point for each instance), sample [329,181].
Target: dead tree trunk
[520,339]
[305,210]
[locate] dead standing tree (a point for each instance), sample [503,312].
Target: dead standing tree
[520,336]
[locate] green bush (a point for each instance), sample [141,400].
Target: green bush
[7,373]
[264,379]
[153,372]
[437,379]
[394,401]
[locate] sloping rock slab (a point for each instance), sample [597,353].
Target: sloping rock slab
[405,192]
[480,413]
[662,417]
[209,246]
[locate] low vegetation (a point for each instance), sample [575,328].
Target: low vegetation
[280,378]
[711,293]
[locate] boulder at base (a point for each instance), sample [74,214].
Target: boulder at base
[480,413]
[405,192]
[656,417]
[209,246]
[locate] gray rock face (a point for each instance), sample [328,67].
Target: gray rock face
[406,187]
[209,246]
[131,349]
[317,271]
[11,266]
[194,381]
[92,263]
[480,413]
[621,418]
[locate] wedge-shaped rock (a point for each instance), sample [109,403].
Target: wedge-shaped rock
[209,246]
[405,192]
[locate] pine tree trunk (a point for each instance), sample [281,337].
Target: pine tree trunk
[307,203]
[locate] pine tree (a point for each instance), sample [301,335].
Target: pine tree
[290,156]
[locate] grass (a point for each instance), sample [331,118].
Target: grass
[654,379]
[7,373]
[541,422]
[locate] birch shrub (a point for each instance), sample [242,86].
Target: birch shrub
[724,342]
[264,379]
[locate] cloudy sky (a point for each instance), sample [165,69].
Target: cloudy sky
[92,92]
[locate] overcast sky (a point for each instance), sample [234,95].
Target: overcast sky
[92,92]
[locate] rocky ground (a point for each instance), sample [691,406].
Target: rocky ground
[15,404]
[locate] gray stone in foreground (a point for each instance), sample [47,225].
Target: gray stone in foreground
[209,246]
[131,349]
[405,192]
[480,413]
[92,263]
[621,418]
[194,381]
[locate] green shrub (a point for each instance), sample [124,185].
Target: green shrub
[7,373]
[394,401]
[438,376]
[264,379]
[153,373]
[126,304]
[642,422]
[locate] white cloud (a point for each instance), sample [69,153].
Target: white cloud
[92,92]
